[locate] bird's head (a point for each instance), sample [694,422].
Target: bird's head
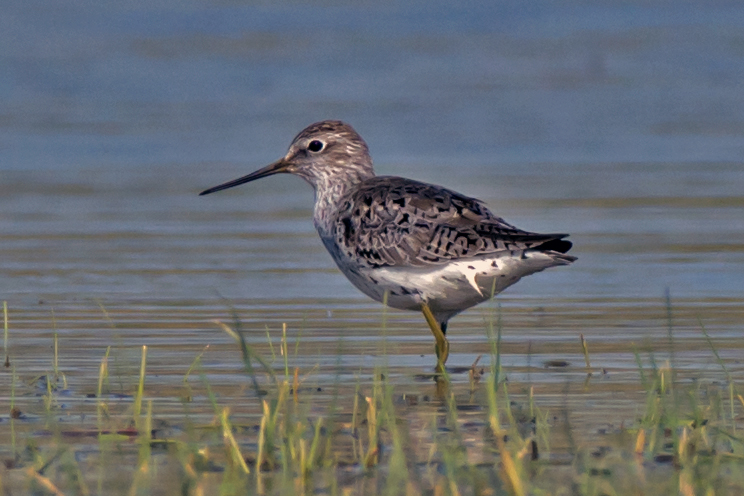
[324,153]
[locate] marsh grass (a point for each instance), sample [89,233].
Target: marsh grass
[480,437]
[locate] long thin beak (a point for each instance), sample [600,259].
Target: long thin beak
[277,167]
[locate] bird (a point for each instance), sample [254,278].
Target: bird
[407,243]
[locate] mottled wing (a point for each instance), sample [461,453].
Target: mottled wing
[392,221]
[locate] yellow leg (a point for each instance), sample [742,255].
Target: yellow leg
[442,346]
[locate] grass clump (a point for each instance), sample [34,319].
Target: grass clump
[378,435]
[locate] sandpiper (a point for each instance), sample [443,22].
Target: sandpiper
[414,245]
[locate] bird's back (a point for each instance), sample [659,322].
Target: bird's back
[397,222]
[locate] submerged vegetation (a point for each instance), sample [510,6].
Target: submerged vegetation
[483,435]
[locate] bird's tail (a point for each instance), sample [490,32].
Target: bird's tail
[557,249]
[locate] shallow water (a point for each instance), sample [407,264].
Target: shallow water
[623,130]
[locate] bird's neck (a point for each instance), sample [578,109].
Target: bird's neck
[329,194]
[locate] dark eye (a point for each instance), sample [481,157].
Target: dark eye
[315,146]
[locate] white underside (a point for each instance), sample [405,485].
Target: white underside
[451,288]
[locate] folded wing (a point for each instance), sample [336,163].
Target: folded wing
[393,221]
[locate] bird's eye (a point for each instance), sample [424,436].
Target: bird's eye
[315,146]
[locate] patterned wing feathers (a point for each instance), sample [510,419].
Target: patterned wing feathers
[391,221]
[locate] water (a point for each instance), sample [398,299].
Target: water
[619,124]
